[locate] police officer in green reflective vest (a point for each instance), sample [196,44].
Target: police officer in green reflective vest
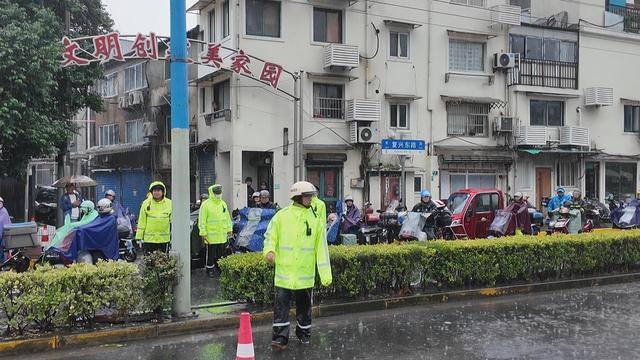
[295,241]
[154,222]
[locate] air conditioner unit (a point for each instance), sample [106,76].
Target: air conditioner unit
[598,96]
[135,98]
[361,134]
[341,56]
[363,110]
[504,60]
[123,102]
[506,15]
[504,124]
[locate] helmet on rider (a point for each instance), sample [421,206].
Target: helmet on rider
[577,194]
[517,196]
[87,206]
[110,193]
[104,206]
[425,194]
[300,190]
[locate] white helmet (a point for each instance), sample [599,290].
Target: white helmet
[110,193]
[104,206]
[348,197]
[302,188]
[517,196]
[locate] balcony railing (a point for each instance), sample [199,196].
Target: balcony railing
[548,73]
[328,108]
[631,16]
[470,125]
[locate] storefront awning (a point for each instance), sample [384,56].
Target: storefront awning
[493,102]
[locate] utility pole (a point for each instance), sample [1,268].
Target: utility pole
[180,156]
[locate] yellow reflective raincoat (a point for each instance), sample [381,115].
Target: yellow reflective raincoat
[296,237]
[214,220]
[154,222]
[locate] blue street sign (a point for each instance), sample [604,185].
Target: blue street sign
[403,147]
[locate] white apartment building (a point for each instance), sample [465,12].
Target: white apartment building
[560,110]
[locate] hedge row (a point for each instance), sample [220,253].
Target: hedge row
[382,270]
[50,298]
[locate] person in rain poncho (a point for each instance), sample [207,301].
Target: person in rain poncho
[351,219]
[88,213]
[154,222]
[214,223]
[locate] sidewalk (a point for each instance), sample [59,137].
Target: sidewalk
[226,317]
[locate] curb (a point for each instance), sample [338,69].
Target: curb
[231,321]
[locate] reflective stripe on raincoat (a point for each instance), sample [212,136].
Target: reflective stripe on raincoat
[296,237]
[214,220]
[154,222]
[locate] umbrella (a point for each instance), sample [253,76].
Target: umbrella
[78,180]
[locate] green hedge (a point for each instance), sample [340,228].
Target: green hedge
[382,270]
[50,298]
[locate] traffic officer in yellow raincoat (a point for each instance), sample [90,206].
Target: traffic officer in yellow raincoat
[154,222]
[295,242]
[214,224]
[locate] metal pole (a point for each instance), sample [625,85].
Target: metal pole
[296,103]
[300,129]
[180,156]
[403,180]
[26,194]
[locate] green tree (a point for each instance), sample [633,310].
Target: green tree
[38,97]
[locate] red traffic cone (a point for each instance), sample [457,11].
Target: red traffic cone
[245,339]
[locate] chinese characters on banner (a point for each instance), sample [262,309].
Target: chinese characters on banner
[107,47]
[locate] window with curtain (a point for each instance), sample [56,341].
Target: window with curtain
[568,173]
[631,118]
[466,56]
[399,44]
[109,134]
[263,18]
[328,101]
[108,86]
[327,25]
[134,132]
[546,113]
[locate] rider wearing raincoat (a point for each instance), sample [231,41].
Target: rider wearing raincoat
[214,224]
[295,242]
[88,213]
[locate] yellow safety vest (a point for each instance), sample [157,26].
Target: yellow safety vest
[154,222]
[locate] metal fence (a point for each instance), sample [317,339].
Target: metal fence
[328,108]
[548,73]
[631,16]
[467,119]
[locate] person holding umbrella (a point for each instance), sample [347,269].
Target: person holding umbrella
[70,203]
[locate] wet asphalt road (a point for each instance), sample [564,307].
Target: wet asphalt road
[590,323]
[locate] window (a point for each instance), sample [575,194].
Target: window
[135,132]
[108,86]
[631,118]
[483,203]
[263,18]
[536,48]
[203,100]
[467,119]
[567,173]
[225,19]
[479,3]
[221,97]
[620,179]
[466,55]
[524,4]
[109,134]
[546,113]
[167,130]
[327,25]
[399,44]
[135,77]
[399,116]
[328,101]
[212,26]
[417,184]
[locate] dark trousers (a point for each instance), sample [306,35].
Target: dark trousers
[215,252]
[281,309]
[151,247]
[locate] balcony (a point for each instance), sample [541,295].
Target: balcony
[630,15]
[547,73]
[351,110]
[473,125]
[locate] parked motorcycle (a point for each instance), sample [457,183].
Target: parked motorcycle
[370,233]
[597,212]
[391,221]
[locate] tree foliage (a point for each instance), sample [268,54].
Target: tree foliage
[38,97]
